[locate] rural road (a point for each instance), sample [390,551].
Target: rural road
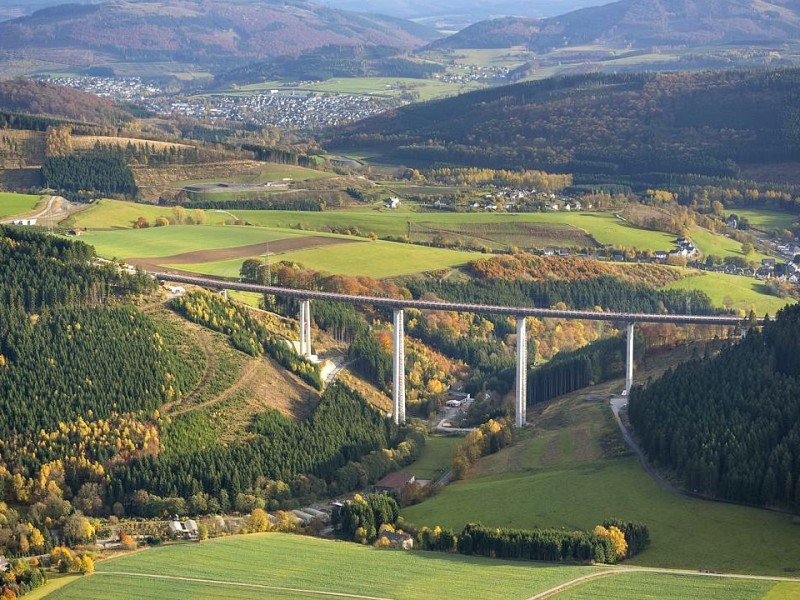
[617,404]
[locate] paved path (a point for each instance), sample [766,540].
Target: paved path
[236,584]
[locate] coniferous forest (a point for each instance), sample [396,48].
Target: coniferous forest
[729,425]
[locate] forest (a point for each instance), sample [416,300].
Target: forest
[104,171]
[343,447]
[728,425]
[613,125]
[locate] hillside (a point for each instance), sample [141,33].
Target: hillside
[612,125]
[642,24]
[227,32]
[728,425]
[27,96]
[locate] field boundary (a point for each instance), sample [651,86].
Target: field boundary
[237,584]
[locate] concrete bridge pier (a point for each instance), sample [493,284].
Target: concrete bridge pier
[629,361]
[305,328]
[521,412]
[224,294]
[399,369]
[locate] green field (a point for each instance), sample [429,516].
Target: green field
[377,259]
[177,239]
[313,565]
[435,457]
[560,473]
[15,204]
[669,587]
[766,220]
[733,291]
[604,227]
[719,245]
[269,172]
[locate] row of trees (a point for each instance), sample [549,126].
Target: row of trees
[613,541]
[729,425]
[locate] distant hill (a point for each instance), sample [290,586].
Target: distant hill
[27,96]
[611,126]
[224,32]
[643,23]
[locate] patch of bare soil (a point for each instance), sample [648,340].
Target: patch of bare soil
[220,254]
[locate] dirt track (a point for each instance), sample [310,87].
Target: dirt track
[219,254]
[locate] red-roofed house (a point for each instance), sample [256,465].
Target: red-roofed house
[394,482]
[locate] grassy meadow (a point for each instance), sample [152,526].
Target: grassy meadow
[435,457]
[311,565]
[12,204]
[732,291]
[377,259]
[567,470]
[177,239]
[766,220]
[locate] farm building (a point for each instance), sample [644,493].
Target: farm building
[394,482]
[392,202]
[184,529]
[25,222]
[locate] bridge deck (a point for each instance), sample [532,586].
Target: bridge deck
[514,311]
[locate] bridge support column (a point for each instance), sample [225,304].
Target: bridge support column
[305,328]
[521,412]
[399,369]
[629,360]
[224,294]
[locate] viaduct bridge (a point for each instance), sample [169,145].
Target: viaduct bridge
[397,305]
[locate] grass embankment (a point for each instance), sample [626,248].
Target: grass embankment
[16,204]
[562,473]
[309,564]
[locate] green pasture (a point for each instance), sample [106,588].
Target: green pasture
[435,457]
[492,57]
[732,291]
[115,214]
[177,239]
[311,565]
[557,475]
[375,259]
[720,245]
[12,204]
[604,227]
[766,220]
[668,587]
[268,172]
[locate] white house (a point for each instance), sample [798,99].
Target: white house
[24,222]
[392,202]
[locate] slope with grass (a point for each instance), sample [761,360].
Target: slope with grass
[567,470]
[732,291]
[377,259]
[309,565]
[15,204]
